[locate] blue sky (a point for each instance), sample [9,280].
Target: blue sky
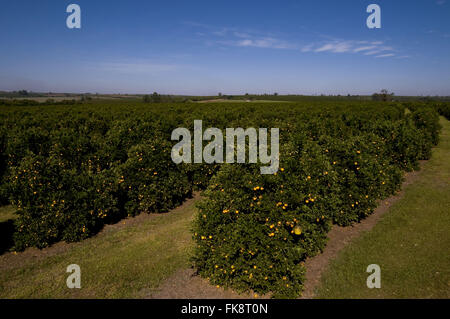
[233,47]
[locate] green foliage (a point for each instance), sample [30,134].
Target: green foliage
[3,165]
[444,109]
[384,96]
[151,181]
[55,202]
[253,232]
[71,169]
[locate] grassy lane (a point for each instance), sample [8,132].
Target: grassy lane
[7,213]
[411,243]
[126,260]
[7,217]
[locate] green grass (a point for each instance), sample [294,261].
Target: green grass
[121,262]
[7,216]
[411,243]
[7,213]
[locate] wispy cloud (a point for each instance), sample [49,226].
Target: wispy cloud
[231,36]
[366,48]
[336,47]
[307,48]
[440,2]
[347,46]
[242,35]
[378,50]
[223,32]
[262,43]
[385,55]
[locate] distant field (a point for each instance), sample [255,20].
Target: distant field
[240,101]
[78,97]
[44,99]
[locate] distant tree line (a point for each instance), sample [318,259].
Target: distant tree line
[158,98]
[384,95]
[29,102]
[20,93]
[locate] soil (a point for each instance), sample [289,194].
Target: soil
[185,284]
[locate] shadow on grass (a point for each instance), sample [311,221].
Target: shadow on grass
[6,235]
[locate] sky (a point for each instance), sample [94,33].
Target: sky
[194,47]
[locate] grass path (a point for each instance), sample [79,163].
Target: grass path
[7,213]
[339,237]
[126,260]
[7,216]
[410,244]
